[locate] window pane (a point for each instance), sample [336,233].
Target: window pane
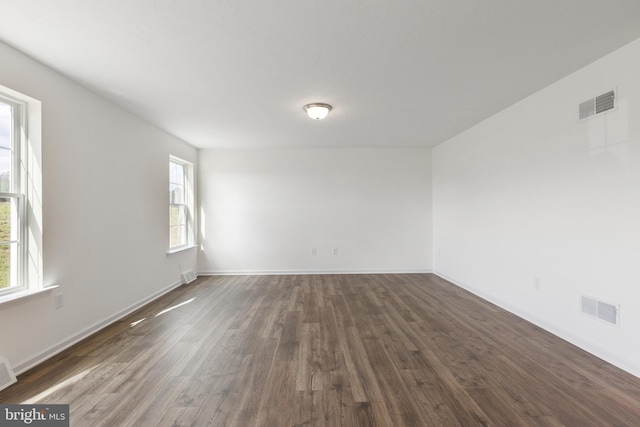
[8,229]
[172,172]
[5,170]
[177,226]
[8,233]
[8,262]
[176,173]
[176,183]
[5,125]
[178,235]
[177,215]
[5,146]
[176,194]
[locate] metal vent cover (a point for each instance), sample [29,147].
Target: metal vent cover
[589,306]
[7,377]
[188,276]
[597,105]
[602,310]
[608,312]
[605,102]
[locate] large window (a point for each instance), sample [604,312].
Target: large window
[20,190]
[181,222]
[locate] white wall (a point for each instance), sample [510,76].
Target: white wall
[263,210]
[533,194]
[105,213]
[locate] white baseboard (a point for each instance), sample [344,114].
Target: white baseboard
[304,272]
[626,365]
[64,344]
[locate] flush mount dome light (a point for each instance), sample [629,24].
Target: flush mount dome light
[317,111]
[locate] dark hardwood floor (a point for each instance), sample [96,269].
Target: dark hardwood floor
[329,350]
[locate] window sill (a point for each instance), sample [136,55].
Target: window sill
[16,296]
[181,249]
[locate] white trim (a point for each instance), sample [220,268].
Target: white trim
[27,181]
[15,296]
[64,344]
[179,249]
[305,272]
[627,365]
[189,203]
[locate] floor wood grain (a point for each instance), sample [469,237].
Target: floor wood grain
[329,350]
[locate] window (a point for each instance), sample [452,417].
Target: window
[10,199]
[181,222]
[20,190]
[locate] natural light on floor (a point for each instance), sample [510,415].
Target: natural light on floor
[78,377]
[166,310]
[74,379]
[137,322]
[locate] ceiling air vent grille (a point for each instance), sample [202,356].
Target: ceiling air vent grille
[597,105]
[602,310]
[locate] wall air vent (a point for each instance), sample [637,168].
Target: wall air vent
[7,377]
[598,105]
[604,311]
[188,276]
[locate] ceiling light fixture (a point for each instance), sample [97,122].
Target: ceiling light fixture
[317,111]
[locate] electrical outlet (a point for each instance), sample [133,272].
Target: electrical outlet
[334,251]
[313,251]
[58,301]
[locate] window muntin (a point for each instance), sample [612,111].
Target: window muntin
[180,203]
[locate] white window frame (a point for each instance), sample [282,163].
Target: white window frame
[17,220]
[26,191]
[189,205]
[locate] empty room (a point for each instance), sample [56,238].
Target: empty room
[320,213]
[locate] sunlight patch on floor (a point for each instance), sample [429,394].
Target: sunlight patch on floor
[137,322]
[174,307]
[74,379]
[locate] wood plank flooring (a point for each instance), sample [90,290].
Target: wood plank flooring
[329,350]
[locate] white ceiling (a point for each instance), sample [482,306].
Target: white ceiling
[236,73]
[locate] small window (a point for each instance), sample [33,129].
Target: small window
[181,222]
[20,189]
